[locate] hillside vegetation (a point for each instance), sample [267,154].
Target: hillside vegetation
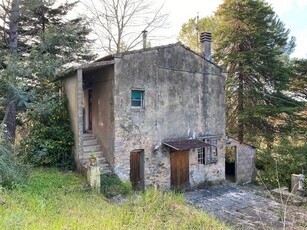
[55,200]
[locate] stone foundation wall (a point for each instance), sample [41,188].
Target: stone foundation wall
[156,162]
[213,172]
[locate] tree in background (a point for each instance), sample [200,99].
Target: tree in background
[39,15]
[299,82]
[190,32]
[252,44]
[10,112]
[118,24]
[47,41]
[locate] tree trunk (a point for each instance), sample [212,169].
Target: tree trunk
[240,108]
[13,34]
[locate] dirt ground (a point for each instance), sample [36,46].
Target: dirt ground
[248,207]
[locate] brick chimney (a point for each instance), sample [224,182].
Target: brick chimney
[205,40]
[144,39]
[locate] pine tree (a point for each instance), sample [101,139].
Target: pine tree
[252,44]
[299,82]
[39,15]
[46,42]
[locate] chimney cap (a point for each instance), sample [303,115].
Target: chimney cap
[205,37]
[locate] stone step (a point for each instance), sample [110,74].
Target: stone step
[88,136]
[101,159]
[92,148]
[90,142]
[104,165]
[90,145]
[98,154]
[105,171]
[86,161]
[104,168]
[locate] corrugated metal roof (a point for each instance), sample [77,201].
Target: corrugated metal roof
[188,144]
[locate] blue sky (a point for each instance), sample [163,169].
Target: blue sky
[292,12]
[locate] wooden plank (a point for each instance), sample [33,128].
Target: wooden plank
[179,169]
[135,172]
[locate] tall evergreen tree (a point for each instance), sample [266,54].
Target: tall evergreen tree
[10,111]
[299,82]
[252,44]
[39,15]
[46,41]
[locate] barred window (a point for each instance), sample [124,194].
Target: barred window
[208,154]
[201,156]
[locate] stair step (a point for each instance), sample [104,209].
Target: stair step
[99,162]
[90,145]
[102,161]
[90,142]
[88,136]
[98,154]
[104,165]
[105,171]
[99,157]
[91,148]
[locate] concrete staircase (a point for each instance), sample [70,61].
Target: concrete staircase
[91,145]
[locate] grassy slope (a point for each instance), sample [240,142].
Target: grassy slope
[56,200]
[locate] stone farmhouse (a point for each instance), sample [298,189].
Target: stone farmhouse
[154,116]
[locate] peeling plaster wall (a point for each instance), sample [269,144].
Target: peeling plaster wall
[184,98]
[73,91]
[102,82]
[245,161]
[200,173]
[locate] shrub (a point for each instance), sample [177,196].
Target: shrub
[50,139]
[112,186]
[12,172]
[276,165]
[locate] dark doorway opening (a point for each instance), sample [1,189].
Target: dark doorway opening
[137,169]
[230,163]
[179,169]
[90,108]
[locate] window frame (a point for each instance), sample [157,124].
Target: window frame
[141,100]
[208,154]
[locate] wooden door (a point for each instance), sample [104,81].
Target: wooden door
[179,169]
[135,169]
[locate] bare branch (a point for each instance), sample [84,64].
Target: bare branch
[118,23]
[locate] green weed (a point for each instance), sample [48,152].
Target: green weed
[112,186]
[57,200]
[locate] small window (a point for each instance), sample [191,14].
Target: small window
[208,154]
[201,156]
[137,98]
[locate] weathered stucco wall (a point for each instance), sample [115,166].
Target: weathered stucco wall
[102,83]
[214,105]
[184,98]
[213,172]
[245,161]
[73,91]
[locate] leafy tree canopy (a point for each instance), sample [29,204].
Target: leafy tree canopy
[253,46]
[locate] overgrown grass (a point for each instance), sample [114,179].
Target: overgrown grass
[12,172]
[112,186]
[56,200]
